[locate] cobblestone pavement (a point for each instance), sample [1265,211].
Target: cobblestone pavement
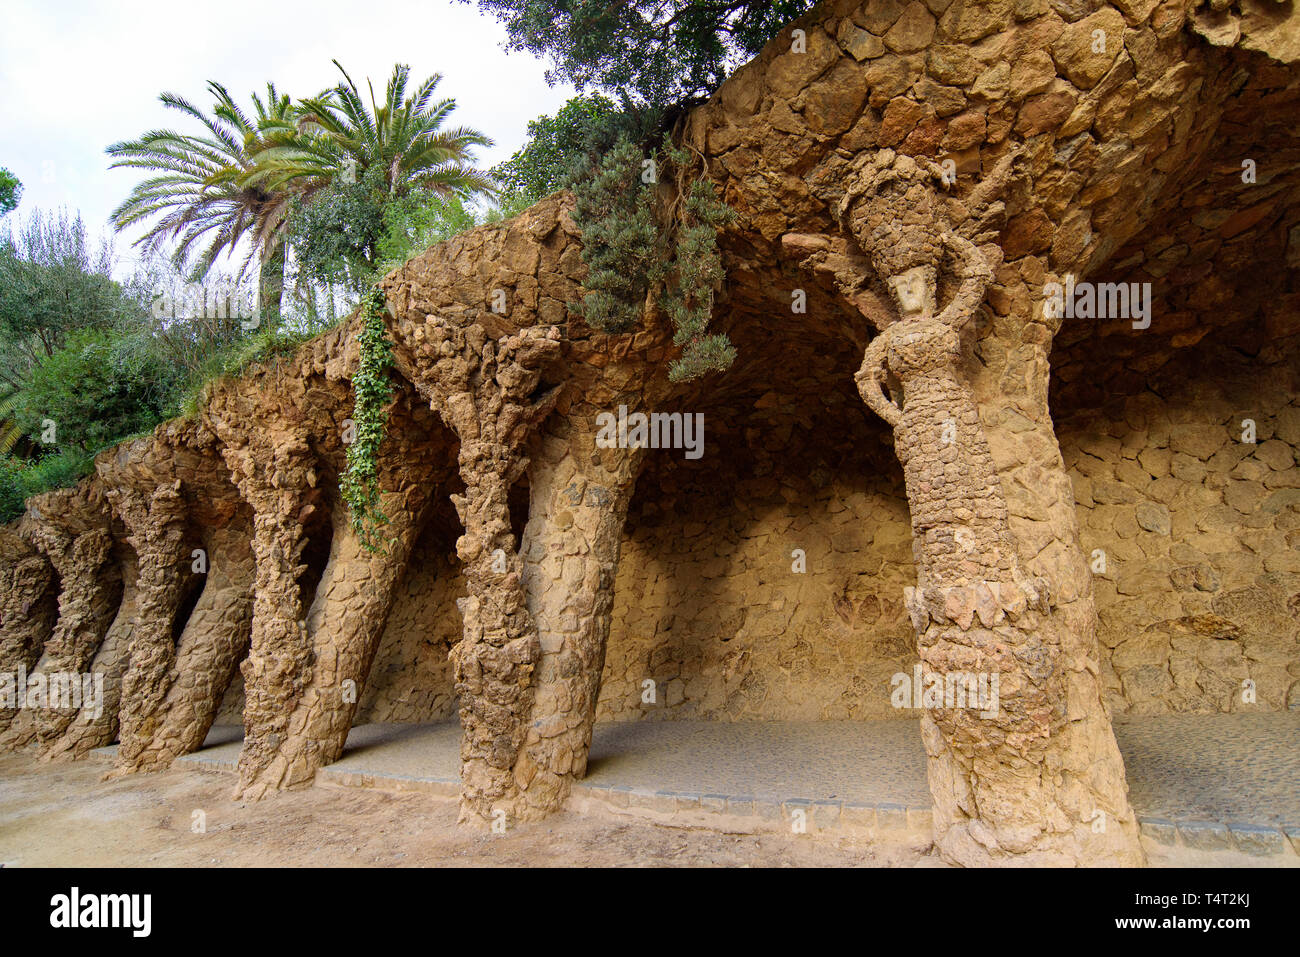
[1229,768]
[862,761]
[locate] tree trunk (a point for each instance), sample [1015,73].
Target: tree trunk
[270,288]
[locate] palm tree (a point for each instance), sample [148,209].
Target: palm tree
[401,141]
[206,197]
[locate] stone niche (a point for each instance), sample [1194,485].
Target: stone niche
[1199,593]
[1200,530]
[766,584]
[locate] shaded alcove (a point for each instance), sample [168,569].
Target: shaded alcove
[763,581]
[45,613]
[192,589]
[1193,529]
[411,676]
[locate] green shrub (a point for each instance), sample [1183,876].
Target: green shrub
[20,480]
[622,244]
[96,389]
[632,251]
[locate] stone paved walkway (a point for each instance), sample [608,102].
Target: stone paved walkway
[1230,768]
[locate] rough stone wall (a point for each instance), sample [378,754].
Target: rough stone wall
[89,730]
[704,560]
[156,523]
[208,650]
[411,679]
[72,528]
[708,607]
[27,608]
[708,552]
[1201,534]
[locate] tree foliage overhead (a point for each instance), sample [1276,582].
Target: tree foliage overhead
[347,234]
[403,138]
[202,194]
[556,146]
[11,190]
[339,186]
[659,51]
[52,283]
[372,178]
[97,389]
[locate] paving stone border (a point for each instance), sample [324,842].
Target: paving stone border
[885,821]
[1259,840]
[745,813]
[390,782]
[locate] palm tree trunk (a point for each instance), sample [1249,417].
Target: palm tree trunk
[270,288]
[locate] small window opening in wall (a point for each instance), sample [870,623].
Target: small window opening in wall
[189,600]
[315,556]
[518,504]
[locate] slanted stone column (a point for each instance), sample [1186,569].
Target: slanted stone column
[156,524]
[97,725]
[71,528]
[25,578]
[208,653]
[484,391]
[1038,779]
[273,467]
[579,496]
[346,620]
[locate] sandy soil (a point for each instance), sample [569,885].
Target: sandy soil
[65,815]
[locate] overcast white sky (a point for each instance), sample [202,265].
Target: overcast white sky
[77,75]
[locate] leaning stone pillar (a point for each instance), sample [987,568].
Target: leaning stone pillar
[274,470]
[345,622]
[579,497]
[156,524]
[208,652]
[72,530]
[97,725]
[25,579]
[1036,777]
[485,391]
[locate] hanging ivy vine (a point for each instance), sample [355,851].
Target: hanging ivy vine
[373,391]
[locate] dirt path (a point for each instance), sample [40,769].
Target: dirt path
[64,815]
